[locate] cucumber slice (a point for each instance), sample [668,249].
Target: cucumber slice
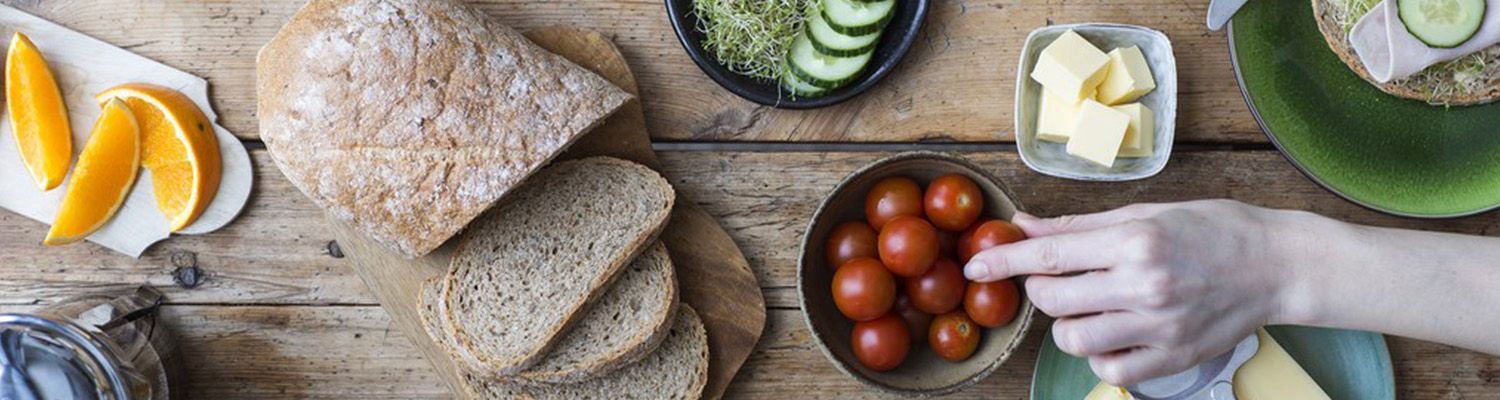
[799,88]
[857,18]
[830,42]
[823,70]
[1441,23]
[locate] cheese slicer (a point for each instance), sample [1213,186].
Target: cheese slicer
[1220,11]
[1210,380]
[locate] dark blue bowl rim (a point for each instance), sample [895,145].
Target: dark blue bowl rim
[722,76]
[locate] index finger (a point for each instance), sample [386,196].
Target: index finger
[1050,255]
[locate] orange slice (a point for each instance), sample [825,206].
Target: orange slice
[179,148]
[37,114]
[106,171]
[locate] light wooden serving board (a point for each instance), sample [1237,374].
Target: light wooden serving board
[83,67]
[714,276]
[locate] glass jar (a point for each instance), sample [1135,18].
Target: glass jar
[91,347]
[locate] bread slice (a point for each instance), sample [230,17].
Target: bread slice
[409,118]
[628,322]
[523,272]
[1439,84]
[677,370]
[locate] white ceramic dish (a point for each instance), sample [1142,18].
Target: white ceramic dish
[1052,158]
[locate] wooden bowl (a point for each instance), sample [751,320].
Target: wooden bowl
[922,373]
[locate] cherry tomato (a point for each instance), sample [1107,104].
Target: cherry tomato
[992,304]
[863,289]
[882,343]
[916,320]
[964,252]
[953,336]
[989,234]
[893,197]
[850,240]
[908,246]
[953,202]
[939,290]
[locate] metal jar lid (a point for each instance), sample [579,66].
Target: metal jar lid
[44,358]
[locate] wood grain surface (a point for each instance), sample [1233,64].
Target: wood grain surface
[277,315]
[957,83]
[270,308]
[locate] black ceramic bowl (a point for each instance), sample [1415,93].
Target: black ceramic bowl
[898,38]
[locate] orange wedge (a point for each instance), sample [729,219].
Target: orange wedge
[37,114]
[106,171]
[179,148]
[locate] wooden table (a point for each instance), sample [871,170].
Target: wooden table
[279,314]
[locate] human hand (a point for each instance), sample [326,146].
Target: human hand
[1152,289]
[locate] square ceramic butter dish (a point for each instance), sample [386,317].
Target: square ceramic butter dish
[1052,158]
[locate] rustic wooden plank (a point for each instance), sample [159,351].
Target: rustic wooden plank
[252,352]
[275,252]
[766,199]
[304,352]
[956,84]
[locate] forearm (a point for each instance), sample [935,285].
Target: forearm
[1431,286]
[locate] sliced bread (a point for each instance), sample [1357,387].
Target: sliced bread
[523,272]
[677,370]
[628,322]
[1469,80]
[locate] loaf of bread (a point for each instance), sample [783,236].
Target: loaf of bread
[409,118]
[628,322]
[676,371]
[524,272]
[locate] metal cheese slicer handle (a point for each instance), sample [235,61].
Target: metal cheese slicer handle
[1210,380]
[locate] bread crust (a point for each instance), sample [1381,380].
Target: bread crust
[1338,41]
[409,118]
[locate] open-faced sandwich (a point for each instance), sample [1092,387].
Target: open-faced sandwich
[1439,51]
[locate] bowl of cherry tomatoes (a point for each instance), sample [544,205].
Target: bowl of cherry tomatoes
[881,279]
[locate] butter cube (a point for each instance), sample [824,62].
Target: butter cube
[1099,132]
[1140,135]
[1128,78]
[1056,117]
[1070,67]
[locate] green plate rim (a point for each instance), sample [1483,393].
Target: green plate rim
[1390,362]
[1234,60]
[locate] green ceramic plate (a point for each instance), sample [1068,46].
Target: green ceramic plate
[1346,364]
[1398,156]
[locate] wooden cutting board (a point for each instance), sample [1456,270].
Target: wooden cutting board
[713,274]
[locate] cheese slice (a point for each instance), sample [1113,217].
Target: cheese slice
[1099,132]
[1056,117]
[1128,79]
[1070,67]
[1106,392]
[1140,134]
[1273,375]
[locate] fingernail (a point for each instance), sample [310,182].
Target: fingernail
[974,270]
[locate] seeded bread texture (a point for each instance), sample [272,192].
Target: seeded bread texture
[625,324]
[677,371]
[409,118]
[523,272]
